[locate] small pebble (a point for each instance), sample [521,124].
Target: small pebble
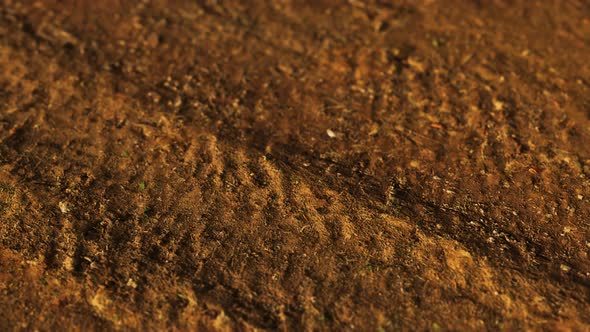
[63,207]
[131,283]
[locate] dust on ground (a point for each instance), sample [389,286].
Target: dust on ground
[295,165]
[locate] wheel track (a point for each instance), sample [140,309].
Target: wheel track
[287,181]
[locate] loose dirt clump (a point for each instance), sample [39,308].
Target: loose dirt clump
[295,165]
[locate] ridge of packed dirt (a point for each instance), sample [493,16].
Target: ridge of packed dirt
[294,165]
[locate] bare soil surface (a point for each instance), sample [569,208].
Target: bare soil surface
[295,165]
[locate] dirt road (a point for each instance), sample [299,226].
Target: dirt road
[295,165]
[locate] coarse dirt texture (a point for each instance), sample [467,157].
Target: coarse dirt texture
[295,165]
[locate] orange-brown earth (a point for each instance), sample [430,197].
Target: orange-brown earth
[295,165]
